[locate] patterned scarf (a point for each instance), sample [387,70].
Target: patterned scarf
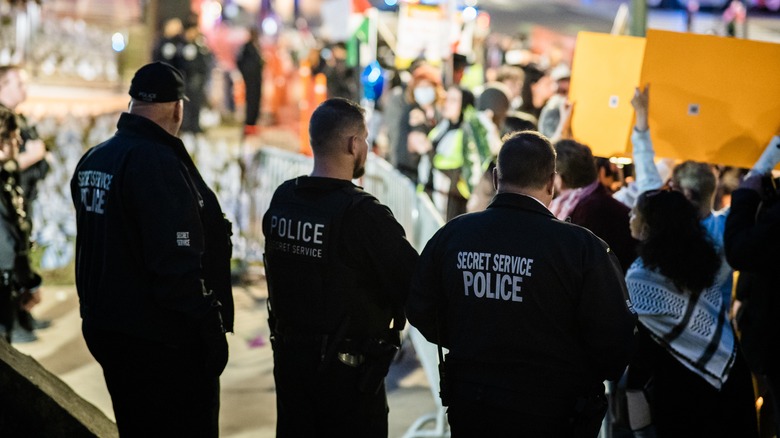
[695,331]
[564,204]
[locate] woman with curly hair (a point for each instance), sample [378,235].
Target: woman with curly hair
[688,378]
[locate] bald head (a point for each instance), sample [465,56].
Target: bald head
[166,114]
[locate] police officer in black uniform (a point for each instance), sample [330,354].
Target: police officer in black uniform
[338,269]
[533,310]
[18,282]
[153,267]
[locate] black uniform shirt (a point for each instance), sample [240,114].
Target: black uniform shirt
[527,303]
[365,272]
[152,240]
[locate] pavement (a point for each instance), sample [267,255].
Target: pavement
[248,398]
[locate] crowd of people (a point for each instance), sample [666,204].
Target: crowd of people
[673,252]
[550,276]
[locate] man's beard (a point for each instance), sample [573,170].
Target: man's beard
[359,170]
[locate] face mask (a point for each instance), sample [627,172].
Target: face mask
[424,95]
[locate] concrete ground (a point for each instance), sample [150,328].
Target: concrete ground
[248,398]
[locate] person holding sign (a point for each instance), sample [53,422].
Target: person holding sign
[688,377]
[696,180]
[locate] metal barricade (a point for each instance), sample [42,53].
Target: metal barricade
[268,169]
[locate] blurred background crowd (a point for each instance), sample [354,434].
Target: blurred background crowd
[442,83]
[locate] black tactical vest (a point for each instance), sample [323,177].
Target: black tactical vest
[312,291]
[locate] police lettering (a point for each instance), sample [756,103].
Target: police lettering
[94,185]
[297,230]
[493,285]
[93,200]
[493,276]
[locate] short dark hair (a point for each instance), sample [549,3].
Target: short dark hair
[494,97]
[575,164]
[516,122]
[526,159]
[332,119]
[8,123]
[604,163]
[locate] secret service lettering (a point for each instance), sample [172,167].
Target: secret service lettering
[93,186]
[493,276]
[302,237]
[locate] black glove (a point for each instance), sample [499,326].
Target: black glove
[215,346]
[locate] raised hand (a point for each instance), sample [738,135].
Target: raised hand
[641,104]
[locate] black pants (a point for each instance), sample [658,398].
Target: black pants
[469,419]
[253,102]
[485,412]
[157,390]
[312,402]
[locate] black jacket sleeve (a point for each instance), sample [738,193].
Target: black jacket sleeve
[166,209]
[605,319]
[386,252]
[427,299]
[747,237]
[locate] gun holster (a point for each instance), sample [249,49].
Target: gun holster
[379,354]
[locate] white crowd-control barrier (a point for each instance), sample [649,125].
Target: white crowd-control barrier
[414,211]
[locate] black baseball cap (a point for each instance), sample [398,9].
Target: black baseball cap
[157,82]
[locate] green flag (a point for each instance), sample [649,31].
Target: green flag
[360,35]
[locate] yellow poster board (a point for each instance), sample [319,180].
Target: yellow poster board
[605,71]
[712,99]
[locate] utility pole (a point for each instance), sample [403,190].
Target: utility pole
[638,18]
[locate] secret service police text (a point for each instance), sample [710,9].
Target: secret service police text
[493,276]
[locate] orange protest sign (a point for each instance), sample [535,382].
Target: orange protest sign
[605,71]
[712,99]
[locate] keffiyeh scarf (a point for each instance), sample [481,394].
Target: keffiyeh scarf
[695,331]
